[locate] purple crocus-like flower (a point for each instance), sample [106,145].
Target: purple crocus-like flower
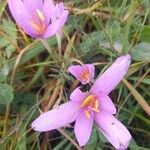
[95,105]
[40,18]
[84,73]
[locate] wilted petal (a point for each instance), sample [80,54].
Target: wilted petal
[115,132]
[84,73]
[112,76]
[78,96]
[105,103]
[83,128]
[56,118]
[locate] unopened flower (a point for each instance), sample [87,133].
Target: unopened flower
[95,105]
[84,73]
[40,18]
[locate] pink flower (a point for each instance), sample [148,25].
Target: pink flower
[95,105]
[39,19]
[84,73]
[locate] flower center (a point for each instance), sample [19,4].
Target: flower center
[39,25]
[85,75]
[90,104]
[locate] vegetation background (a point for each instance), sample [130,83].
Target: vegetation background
[97,31]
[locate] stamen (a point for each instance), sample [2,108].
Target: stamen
[88,114]
[40,15]
[39,28]
[35,26]
[85,75]
[90,104]
[96,104]
[95,109]
[87,100]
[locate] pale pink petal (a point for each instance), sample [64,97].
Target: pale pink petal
[105,103]
[56,26]
[91,69]
[51,30]
[56,118]
[78,96]
[48,9]
[14,6]
[112,76]
[62,20]
[57,11]
[79,70]
[83,128]
[115,132]
[32,5]
[21,16]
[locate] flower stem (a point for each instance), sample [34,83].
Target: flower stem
[59,37]
[45,43]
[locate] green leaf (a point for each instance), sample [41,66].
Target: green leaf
[133,145]
[91,41]
[6,93]
[4,69]
[145,34]
[10,29]
[3,42]
[4,73]
[141,52]
[9,50]
[115,30]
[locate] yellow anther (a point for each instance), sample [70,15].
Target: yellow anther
[87,114]
[35,26]
[85,75]
[40,15]
[95,109]
[87,101]
[40,28]
[90,103]
[96,104]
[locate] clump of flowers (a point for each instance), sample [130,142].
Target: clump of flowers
[94,105]
[40,19]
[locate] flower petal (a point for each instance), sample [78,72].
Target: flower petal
[84,73]
[105,103]
[21,16]
[83,128]
[78,96]
[57,11]
[56,26]
[91,69]
[112,76]
[13,6]
[56,118]
[31,5]
[48,9]
[115,132]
